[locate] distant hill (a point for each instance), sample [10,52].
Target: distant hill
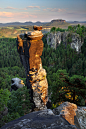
[57,22]
[22,24]
[76,22]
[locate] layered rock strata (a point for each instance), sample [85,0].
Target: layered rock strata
[30,47]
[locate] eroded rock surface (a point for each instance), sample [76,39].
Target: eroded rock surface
[40,88]
[73,114]
[16,83]
[81,116]
[30,47]
[44,119]
[65,116]
[67,110]
[54,39]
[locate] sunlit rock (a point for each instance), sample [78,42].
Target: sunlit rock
[67,111]
[30,47]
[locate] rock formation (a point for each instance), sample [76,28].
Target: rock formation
[30,47]
[67,110]
[81,116]
[54,39]
[73,114]
[16,83]
[65,116]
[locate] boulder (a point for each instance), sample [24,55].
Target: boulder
[16,83]
[67,111]
[73,114]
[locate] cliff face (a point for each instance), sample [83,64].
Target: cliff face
[54,39]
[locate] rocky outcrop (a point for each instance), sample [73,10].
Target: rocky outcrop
[30,47]
[16,83]
[67,111]
[65,116]
[81,116]
[54,39]
[40,88]
[73,114]
[76,42]
[44,119]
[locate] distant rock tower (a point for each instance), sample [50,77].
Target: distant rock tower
[30,47]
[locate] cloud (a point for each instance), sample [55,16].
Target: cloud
[16,15]
[0,8]
[32,7]
[44,9]
[6,14]
[10,8]
[57,10]
[47,9]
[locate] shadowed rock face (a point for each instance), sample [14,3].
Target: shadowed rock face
[30,47]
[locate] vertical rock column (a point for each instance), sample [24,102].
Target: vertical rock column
[35,75]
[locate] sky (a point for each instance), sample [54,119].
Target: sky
[42,10]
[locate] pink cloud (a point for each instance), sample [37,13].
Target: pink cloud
[47,9]
[16,15]
[44,9]
[10,8]
[57,10]
[6,14]
[32,7]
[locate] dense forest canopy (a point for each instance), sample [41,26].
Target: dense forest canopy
[66,74]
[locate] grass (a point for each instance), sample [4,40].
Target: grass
[21,29]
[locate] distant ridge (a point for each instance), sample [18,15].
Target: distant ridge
[76,22]
[22,24]
[55,23]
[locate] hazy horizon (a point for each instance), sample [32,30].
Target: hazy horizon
[42,21]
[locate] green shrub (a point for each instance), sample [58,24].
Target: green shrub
[19,101]
[4,97]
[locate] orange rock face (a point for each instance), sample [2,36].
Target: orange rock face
[31,46]
[35,52]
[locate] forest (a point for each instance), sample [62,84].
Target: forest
[66,75]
